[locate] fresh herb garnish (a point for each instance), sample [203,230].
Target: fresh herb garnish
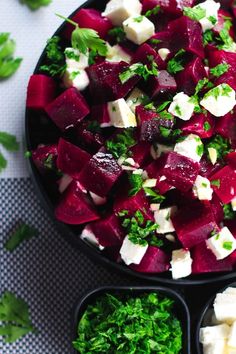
[118,34]
[162,106]
[165,132]
[35,4]
[221,145]
[229,214]
[216,183]
[228,245]
[153,11]
[15,318]
[220,69]
[176,63]
[23,233]
[136,183]
[195,13]
[155,241]
[138,19]
[8,65]
[208,37]
[154,196]
[139,69]
[9,142]
[85,39]
[55,58]
[120,144]
[206,126]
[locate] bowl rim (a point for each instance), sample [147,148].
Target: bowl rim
[203,313]
[64,230]
[92,294]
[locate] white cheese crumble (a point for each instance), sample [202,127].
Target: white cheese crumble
[224,307]
[75,59]
[150,183]
[212,155]
[220,100]
[97,199]
[211,14]
[202,188]
[119,10]
[116,53]
[88,236]
[182,106]
[222,244]
[135,98]
[163,220]
[77,79]
[191,147]
[181,264]
[210,334]
[138,29]
[163,52]
[120,114]
[131,252]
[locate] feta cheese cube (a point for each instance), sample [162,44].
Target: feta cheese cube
[88,236]
[163,52]
[154,206]
[150,183]
[191,147]
[210,334]
[212,155]
[219,101]
[170,237]
[75,59]
[78,79]
[135,98]
[132,253]
[97,199]
[116,54]
[232,335]
[162,218]
[218,347]
[181,264]
[158,149]
[233,204]
[181,106]
[138,29]
[222,244]
[211,14]
[224,307]
[121,115]
[202,188]
[119,10]
[230,290]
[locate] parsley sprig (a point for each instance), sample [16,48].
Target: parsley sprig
[153,11]
[118,34]
[8,64]
[136,183]
[141,70]
[219,69]
[23,233]
[196,13]
[222,146]
[229,214]
[175,64]
[55,58]
[120,144]
[9,142]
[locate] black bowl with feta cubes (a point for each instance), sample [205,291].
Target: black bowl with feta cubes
[131,125]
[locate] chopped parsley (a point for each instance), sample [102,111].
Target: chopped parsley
[176,63]
[153,11]
[195,13]
[220,90]
[220,69]
[74,74]
[118,34]
[162,106]
[216,183]
[200,149]
[165,132]
[70,54]
[154,196]
[206,126]
[129,323]
[55,65]
[139,69]
[9,142]
[120,144]
[22,233]
[229,214]
[136,183]
[138,19]
[221,145]
[228,245]
[35,4]
[212,19]
[178,110]
[8,64]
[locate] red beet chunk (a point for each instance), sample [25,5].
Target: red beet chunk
[180,171]
[68,109]
[100,114]
[132,204]
[225,179]
[186,34]
[204,261]
[144,52]
[71,159]
[222,16]
[163,83]
[141,152]
[105,84]
[88,138]
[74,207]
[200,124]
[161,40]
[231,159]
[226,126]
[89,18]
[216,208]
[41,91]
[45,157]
[108,231]
[194,223]
[188,78]
[220,56]
[154,261]
[170,6]
[154,171]
[100,174]
[206,167]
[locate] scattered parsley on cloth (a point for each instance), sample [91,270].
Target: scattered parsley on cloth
[23,233]
[8,64]
[36,4]
[8,142]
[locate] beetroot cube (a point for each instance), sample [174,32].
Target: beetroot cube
[220,56]
[231,159]
[163,83]
[100,174]
[222,16]
[188,78]
[41,91]
[91,140]
[206,167]
[71,159]
[45,157]
[143,55]
[224,184]
[194,223]
[204,261]
[186,34]
[89,18]
[200,124]
[105,84]
[74,207]
[226,126]
[161,40]
[154,261]
[141,152]
[154,171]
[172,6]
[132,204]
[108,231]
[100,114]
[216,208]
[68,109]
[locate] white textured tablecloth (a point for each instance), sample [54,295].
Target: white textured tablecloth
[30,29]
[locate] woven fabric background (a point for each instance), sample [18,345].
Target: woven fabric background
[45,271]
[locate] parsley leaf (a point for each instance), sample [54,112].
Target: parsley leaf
[23,233]
[120,144]
[155,197]
[195,13]
[153,11]
[139,69]
[222,146]
[3,162]
[216,183]
[136,183]
[9,142]
[8,65]
[15,318]
[118,34]
[35,4]
[229,214]
[176,63]
[220,69]
[56,60]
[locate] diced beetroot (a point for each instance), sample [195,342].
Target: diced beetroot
[41,90]
[222,16]
[226,126]
[170,6]
[63,183]
[100,174]
[217,208]
[200,124]
[71,159]
[204,261]
[153,171]
[105,84]
[232,258]
[149,5]
[180,171]
[132,204]
[188,78]
[150,122]
[218,57]
[154,261]
[143,55]
[68,109]
[231,159]
[224,184]
[194,223]
[100,114]
[74,207]
[186,34]
[161,40]
[89,139]
[89,18]
[206,167]
[108,231]
[163,83]
[45,157]
[141,152]
[163,186]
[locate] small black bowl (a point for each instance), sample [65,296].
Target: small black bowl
[206,315]
[40,130]
[180,308]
